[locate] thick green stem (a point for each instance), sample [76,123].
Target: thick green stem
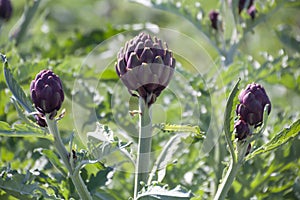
[227,180]
[233,168]
[144,147]
[63,153]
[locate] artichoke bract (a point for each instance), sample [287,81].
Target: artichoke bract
[145,65]
[253,99]
[5,10]
[47,92]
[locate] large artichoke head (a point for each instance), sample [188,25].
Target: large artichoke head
[145,65]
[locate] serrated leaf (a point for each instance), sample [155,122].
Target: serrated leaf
[166,156]
[183,128]
[53,158]
[16,89]
[227,117]
[22,185]
[22,130]
[279,139]
[104,145]
[99,180]
[158,192]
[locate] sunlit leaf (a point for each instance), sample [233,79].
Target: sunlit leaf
[22,130]
[22,186]
[159,192]
[228,118]
[16,89]
[166,156]
[53,158]
[279,139]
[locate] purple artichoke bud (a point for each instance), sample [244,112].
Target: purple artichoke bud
[47,92]
[145,65]
[253,99]
[242,129]
[5,10]
[40,120]
[242,4]
[252,11]
[213,16]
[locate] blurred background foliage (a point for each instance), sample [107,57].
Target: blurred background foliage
[62,35]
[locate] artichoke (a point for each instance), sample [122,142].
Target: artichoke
[5,10]
[249,4]
[145,65]
[213,16]
[253,99]
[242,129]
[47,92]
[245,3]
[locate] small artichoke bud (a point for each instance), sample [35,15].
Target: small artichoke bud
[253,99]
[242,4]
[145,65]
[252,11]
[40,120]
[47,92]
[242,129]
[5,10]
[213,16]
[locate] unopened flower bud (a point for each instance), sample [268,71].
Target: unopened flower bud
[145,65]
[47,92]
[249,5]
[213,16]
[242,129]
[5,10]
[252,11]
[253,99]
[242,4]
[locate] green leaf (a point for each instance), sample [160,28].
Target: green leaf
[159,192]
[228,118]
[166,156]
[22,130]
[16,89]
[183,128]
[99,180]
[104,145]
[53,158]
[279,139]
[22,185]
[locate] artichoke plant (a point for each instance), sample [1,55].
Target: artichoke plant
[145,65]
[47,92]
[253,99]
[5,10]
